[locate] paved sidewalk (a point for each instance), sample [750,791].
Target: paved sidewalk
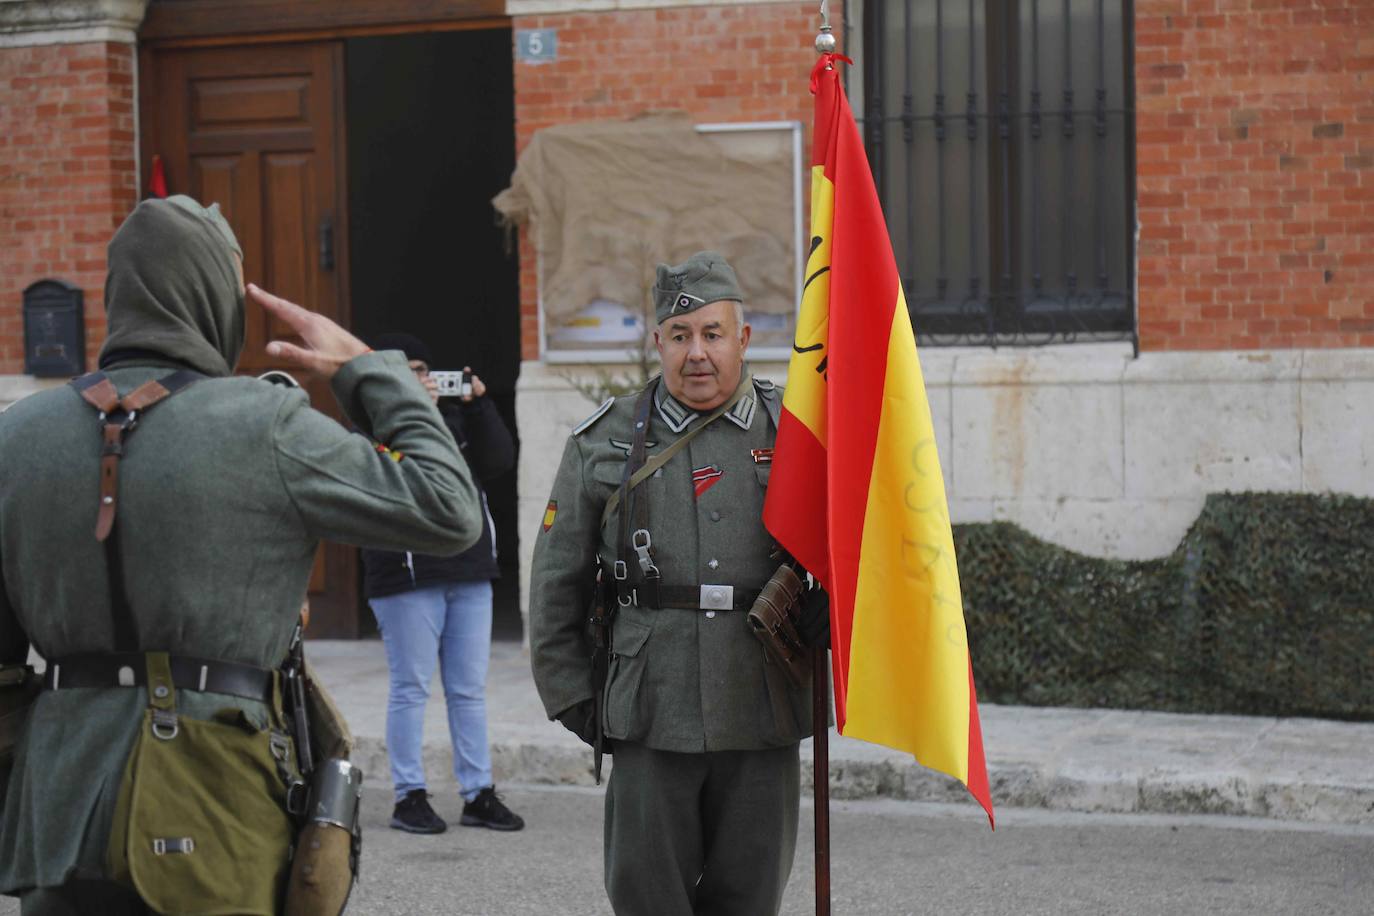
[1063,759]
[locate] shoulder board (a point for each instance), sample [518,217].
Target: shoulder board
[600,412]
[765,386]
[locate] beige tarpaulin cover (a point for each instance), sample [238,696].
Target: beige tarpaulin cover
[608,200]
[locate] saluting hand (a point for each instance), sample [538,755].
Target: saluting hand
[327,346]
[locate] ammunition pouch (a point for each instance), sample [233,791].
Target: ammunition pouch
[774,618]
[201,823]
[19,687]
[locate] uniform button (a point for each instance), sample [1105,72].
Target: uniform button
[713,563]
[715,516]
[710,615]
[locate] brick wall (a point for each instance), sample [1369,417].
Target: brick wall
[720,63]
[67,175]
[1256,173]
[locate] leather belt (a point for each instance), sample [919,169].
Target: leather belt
[707,597]
[128,669]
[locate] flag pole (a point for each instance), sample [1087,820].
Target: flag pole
[820,669]
[820,775]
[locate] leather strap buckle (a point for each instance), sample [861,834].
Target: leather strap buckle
[297,798]
[129,422]
[643,545]
[165,724]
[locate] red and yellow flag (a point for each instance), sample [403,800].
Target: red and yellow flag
[856,493]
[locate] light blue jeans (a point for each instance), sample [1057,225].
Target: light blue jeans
[450,624]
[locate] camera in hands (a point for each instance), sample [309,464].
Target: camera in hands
[452,383]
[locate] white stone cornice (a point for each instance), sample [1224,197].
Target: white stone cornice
[47,22]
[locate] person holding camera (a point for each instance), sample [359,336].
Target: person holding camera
[438,609]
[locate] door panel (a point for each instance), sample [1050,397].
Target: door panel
[259,129]
[219,104]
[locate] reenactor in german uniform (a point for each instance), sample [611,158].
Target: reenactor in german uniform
[158,526]
[656,516]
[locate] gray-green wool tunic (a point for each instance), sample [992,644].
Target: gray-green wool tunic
[680,680]
[226,489]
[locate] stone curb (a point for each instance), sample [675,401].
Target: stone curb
[893,776]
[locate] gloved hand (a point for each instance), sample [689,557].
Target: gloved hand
[580,719]
[813,623]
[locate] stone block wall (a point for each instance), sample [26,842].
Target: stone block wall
[67,174]
[1084,446]
[1255,164]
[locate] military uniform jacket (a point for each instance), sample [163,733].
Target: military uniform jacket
[226,489]
[680,680]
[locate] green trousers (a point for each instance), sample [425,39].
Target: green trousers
[82,898]
[700,834]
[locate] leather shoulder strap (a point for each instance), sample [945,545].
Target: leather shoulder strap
[633,462]
[118,417]
[97,390]
[653,464]
[149,393]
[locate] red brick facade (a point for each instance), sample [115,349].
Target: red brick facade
[67,175]
[720,63]
[1255,152]
[1255,173]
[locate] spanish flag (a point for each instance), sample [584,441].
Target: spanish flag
[856,494]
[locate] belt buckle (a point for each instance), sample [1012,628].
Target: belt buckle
[717,598]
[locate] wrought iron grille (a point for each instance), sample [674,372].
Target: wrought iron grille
[1002,140]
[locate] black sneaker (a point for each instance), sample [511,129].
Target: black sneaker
[487,810]
[414,815]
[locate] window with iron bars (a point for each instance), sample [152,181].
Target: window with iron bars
[1002,139]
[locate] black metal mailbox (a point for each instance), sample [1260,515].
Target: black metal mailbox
[54,329]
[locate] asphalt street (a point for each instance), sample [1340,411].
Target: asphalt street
[892,858]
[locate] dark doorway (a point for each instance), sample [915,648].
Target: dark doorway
[431,139]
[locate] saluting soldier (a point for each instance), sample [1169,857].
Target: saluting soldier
[160,569]
[702,805]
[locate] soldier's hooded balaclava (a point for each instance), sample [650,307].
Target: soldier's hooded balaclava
[172,294]
[703,278]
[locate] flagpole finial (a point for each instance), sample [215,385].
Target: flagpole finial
[825,41]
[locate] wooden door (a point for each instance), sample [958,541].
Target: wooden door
[260,130]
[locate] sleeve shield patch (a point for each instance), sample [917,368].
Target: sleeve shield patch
[550,512]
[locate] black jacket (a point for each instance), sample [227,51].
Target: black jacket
[486,444]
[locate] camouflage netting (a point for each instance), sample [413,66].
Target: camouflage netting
[1265,608]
